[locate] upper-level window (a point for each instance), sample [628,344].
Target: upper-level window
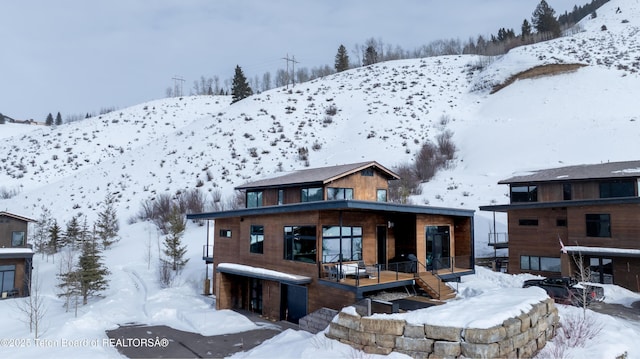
[528,222]
[311,194]
[339,193]
[254,199]
[256,239]
[17,239]
[280,196]
[225,233]
[598,225]
[381,195]
[300,243]
[524,194]
[367,172]
[566,191]
[611,189]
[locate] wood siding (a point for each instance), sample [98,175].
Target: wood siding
[9,225]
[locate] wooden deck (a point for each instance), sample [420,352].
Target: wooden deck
[385,277]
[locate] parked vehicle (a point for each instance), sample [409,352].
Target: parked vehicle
[566,290]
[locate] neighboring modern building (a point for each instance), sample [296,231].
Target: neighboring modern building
[588,211]
[327,237]
[15,256]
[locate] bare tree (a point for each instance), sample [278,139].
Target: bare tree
[266,81]
[33,306]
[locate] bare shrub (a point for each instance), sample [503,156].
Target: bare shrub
[331,110]
[6,193]
[446,147]
[407,185]
[426,162]
[165,274]
[574,331]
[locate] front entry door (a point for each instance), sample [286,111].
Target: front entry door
[382,245]
[438,247]
[293,305]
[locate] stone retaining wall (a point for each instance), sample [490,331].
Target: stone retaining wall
[519,337]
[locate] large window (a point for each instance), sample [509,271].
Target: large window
[381,195]
[566,191]
[339,193]
[545,264]
[257,239]
[351,244]
[7,277]
[312,194]
[598,225]
[17,239]
[300,243]
[617,189]
[524,194]
[280,196]
[254,199]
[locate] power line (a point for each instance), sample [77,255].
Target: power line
[177,85]
[293,69]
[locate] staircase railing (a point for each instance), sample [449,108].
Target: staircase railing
[417,275]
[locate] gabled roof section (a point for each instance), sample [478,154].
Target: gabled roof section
[609,170]
[15,216]
[322,175]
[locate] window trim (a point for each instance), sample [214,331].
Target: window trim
[289,240]
[339,193]
[225,233]
[386,195]
[531,193]
[23,240]
[613,188]
[254,203]
[257,246]
[589,223]
[537,261]
[304,194]
[528,222]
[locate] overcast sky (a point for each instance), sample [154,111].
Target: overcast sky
[79,56]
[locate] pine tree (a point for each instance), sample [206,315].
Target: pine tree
[342,59]
[240,88]
[49,120]
[90,273]
[525,30]
[107,225]
[58,119]
[544,19]
[72,232]
[173,248]
[370,56]
[54,238]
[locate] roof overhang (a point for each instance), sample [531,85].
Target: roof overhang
[561,204]
[334,205]
[262,273]
[15,216]
[10,253]
[603,251]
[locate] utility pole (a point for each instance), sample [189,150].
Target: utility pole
[177,85]
[293,67]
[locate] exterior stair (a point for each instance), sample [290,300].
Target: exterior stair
[434,286]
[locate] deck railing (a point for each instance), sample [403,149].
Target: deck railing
[373,274]
[449,264]
[498,238]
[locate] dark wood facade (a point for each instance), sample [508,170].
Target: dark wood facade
[15,255]
[592,210]
[385,232]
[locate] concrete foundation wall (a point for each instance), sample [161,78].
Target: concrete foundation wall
[519,337]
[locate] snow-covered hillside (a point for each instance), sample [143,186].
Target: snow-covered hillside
[383,112]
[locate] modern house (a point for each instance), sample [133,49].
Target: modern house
[557,216]
[327,237]
[15,255]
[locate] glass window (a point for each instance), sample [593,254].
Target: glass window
[300,243]
[561,222]
[381,195]
[550,264]
[254,199]
[524,262]
[617,189]
[528,222]
[257,239]
[17,239]
[351,243]
[566,191]
[547,264]
[524,194]
[280,196]
[7,277]
[598,225]
[226,233]
[339,193]
[311,194]
[367,172]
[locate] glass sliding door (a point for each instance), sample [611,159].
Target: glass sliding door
[438,247]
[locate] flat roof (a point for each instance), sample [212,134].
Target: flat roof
[21,252]
[560,204]
[609,170]
[262,273]
[341,204]
[603,251]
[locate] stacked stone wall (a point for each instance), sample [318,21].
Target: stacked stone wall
[518,337]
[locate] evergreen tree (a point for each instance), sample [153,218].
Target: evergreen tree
[240,88]
[1,119]
[370,56]
[107,225]
[58,119]
[72,232]
[41,231]
[55,233]
[544,19]
[49,120]
[342,59]
[173,248]
[525,30]
[90,273]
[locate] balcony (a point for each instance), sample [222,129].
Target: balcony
[207,253]
[498,240]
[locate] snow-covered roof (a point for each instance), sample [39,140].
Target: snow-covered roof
[262,273]
[21,252]
[625,169]
[15,216]
[615,252]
